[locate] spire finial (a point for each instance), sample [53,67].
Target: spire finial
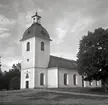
[36,12]
[36,17]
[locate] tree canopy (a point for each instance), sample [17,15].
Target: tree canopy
[7,76]
[93,55]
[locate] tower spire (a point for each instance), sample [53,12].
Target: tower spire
[36,18]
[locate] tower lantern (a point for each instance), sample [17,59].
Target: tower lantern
[36,18]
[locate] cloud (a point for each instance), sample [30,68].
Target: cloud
[11,61]
[5,25]
[7,62]
[81,24]
[4,35]
[5,21]
[61,34]
[68,55]
[28,19]
[2,30]
[1,5]
[71,24]
[61,28]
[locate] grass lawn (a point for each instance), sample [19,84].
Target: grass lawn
[42,97]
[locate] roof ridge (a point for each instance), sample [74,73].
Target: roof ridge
[63,58]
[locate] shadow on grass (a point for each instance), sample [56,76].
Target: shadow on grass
[99,91]
[66,96]
[42,104]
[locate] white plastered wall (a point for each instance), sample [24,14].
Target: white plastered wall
[31,78]
[28,66]
[93,84]
[42,57]
[28,54]
[70,73]
[38,71]
[52,78]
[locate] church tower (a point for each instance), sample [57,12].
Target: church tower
[35,55]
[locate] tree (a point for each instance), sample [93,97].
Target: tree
[93,55]
[16,67]
[14,72]
[1,73]
[7,77]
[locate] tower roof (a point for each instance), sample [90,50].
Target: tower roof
[35,30]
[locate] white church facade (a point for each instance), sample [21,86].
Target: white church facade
[42,70]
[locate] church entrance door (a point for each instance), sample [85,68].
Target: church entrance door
[27,84]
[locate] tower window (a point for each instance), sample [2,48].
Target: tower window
[42,46]
[75,79]
[28,46]
[42,78]
[65,79]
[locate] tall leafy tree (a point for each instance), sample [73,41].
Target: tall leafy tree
[93,55]
[7,76]
[14,72]
[16,67]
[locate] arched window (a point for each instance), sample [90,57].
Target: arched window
[65,79]
[97,83]
[42,46]
[28,46]
[74,79]
[90,83]
[42,79]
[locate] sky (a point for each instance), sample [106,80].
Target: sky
[65,20]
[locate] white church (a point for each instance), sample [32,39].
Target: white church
[42,70]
